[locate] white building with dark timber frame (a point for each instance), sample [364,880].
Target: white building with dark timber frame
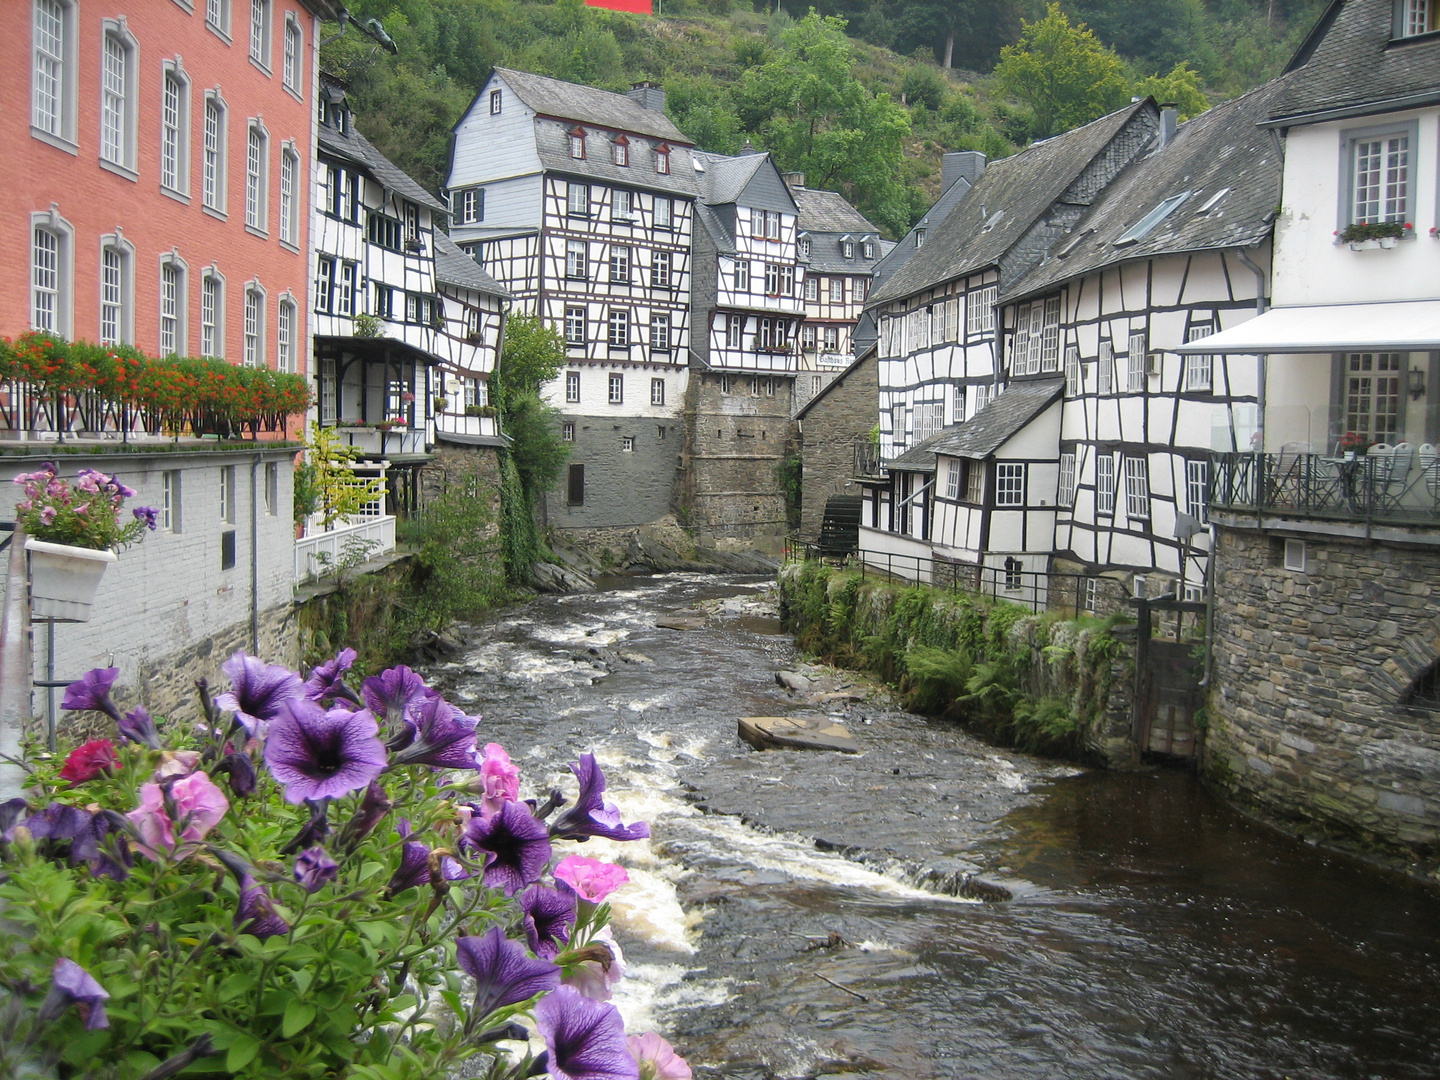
[1175,249]
[581,203]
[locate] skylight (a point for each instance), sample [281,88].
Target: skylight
[1146,225]
[1213,201]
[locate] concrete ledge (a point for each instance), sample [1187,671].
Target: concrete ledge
[15,666]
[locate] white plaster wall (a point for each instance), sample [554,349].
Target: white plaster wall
[595,390]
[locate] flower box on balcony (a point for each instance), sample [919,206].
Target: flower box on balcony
[64,579]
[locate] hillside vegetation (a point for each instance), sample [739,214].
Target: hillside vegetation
[862,95]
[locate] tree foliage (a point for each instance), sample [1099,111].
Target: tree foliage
[1063,72]
[531,355]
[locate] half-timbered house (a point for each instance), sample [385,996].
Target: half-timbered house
[581,203]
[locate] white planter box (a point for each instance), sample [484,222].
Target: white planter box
[63,579]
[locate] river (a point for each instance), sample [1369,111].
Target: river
[792,916]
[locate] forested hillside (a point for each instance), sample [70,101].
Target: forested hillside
[863,97]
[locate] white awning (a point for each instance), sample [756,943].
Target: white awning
[1396,326]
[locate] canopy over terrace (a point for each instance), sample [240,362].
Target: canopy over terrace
[1397,326]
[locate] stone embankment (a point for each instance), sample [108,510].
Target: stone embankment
[663,547]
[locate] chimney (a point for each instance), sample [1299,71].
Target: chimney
[648,95]
[966,164]
[1169,117]
[795,181]
[748,149]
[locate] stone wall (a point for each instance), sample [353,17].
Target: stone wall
[455,463]
[735,444]
[1309,720]
[623,488]
[828,430]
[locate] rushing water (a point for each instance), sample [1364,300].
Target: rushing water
[1149,932]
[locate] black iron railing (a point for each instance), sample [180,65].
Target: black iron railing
[1401,487]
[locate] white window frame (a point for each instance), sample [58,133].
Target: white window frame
[617,334]
[289,195]
[1105,368]
[287,326]
[657,391]
[496,102]
[472,206]
[213,157]
[293,65]
[662,161]
[117,290]
[1199,367]
[175,130]
[227,494]
[627,444]
[261,22]
[663,212]
[974,483]
[952,479]
[742,275]
[567,431]
[170,500]
[1395,168]
[1197,488]
[575,321]
[1065,494]
[54,82]
[660,336]
[253,311]
[1072,371]
[572,387]
[217,17]
[837,290]
[119,92]
[620,152]
[1416,17]
[212,303]
[325,275]
[1295,556]
[615,389]
[807,338]
[1137,488]
[577,199]
[59,284]
[577,258]
[1105,483]
[1010,484]
[577,145]
[174,282]
[734,331]
[980,310]
[662,270]
[257,178]
[619,264]
[1135,361]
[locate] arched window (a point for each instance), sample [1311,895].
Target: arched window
[286,324]
[175,129]
[119,63]
[212,314]
[117,291]
[294,70]
[213,166]
[254,325]
[289,196]
[257,171]
[173,292]
[54,72]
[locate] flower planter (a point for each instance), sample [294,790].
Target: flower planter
[63,579]
[1389,241]
[1364,245]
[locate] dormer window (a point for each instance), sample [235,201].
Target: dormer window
[1416,17]
[621,151]
[662,159]
[919,238]
[805,247]
[577,144]
[847,249]
[495,102]
[869,249]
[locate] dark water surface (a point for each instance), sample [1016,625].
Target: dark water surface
[1150,933]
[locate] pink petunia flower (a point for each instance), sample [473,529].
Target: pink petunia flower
[657,1058]
[590,879]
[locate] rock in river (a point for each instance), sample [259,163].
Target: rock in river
[797,733]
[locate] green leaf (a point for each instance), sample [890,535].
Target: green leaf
[242,1052]
[298,1015]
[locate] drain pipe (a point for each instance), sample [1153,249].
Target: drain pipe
[254,558]
[1262,376]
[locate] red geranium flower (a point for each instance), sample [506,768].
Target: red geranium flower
[89,761]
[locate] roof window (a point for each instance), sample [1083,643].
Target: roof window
[1146,225]
[1213,201]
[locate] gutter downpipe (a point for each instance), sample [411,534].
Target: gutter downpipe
[254,557]
[1263,375]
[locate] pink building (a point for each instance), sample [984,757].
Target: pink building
[158,156]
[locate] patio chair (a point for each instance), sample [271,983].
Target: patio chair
[1287,482]
[1390,473]
[1429,461]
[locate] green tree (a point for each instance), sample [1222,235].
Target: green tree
[1062,72]
[531,355]
[338,492]
[1181,86]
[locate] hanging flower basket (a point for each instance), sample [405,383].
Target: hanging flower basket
[63,579]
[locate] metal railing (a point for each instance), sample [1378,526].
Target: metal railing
[867,458]
[1400,488]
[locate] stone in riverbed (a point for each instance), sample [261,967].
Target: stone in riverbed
[791,681]
[797,733]
[684,620]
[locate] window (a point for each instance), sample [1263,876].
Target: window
[662,160]
[1036,345]
[982,310]
[50,279]
[572,386]
[411,213]
[620,151]
[772,226]
[837,290]
[1092,593]
[575,489]
[227,493]
[1146,225]
[1137,488]
[1135,365]
[1137,585]
[348,272]
[619,338]
[213,179]
[567,432]
[1066,494]
[619,265]
[847,249]
[869,249]
[727,384]
[974,482]
[657,391]
[471,207]
[1072,371]
[1105,370]
[385,231]
[170,500]
[260,32]
[1105,484]
[272,488]
[174,132]
[285,337]
[324,284]
[812,287]
[772,279]
[575,259]
[212,316]
[742,276]
[419,309]
[1372,395]
[257,157]
[1197,487]
[919,239]
[53,88]
[294,55]
[953,469]
[1009,485]
[622,206]
[254,327]
[734,331]
[659,342]
[117,96]
[575,329]
[617,389]
[328,390]
[116,314]
[289,204]
[577,144]
[660,270]
[1013,568]
[774,335]
[832,339]
[1417,17]
[627,444]
[768,386]
[172,308]
[1295,555]
[663,212]
[1380,178]
[217,16]
[807,337]
[495,102]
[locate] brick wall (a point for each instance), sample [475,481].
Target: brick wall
[847,412]
[1307,715]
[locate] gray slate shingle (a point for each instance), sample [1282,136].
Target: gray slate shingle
[587,105]
[358,150]
[987,430]
[552,144]
[454,267]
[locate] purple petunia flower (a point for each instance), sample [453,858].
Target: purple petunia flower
[592,815]
[325,681]
[318,754]
[10,812]
[240,773]
[136,726]
[444,737]
[92,691]
[503,974]
[549,915]
[148,514]
[371,811]
[72,985]
[255,914]
[414,868]
[257,691]
[394,696]
[586,1038]
[516,847]
[314,869]
[97,840]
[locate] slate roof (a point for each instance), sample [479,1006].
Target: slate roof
[1006,200]
[863,355]
[716,227]
[724,177]
[1348,66]
[454,267]
[552,144]
[896,253]
[919,458]
[988,429]
[588,105]
[828,211]
[358,150]
[1220,149]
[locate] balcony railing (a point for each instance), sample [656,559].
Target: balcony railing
[867,458]
[378,442]
[1399,487]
